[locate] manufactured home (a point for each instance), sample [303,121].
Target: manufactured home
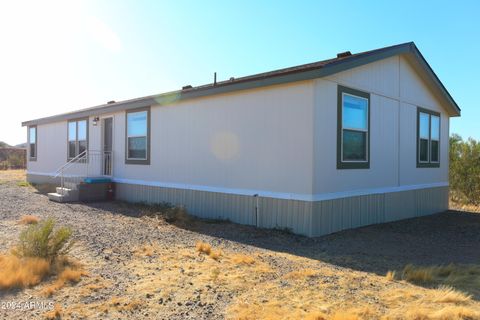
[350,141]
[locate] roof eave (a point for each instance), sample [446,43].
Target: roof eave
[331,68]
[455,109]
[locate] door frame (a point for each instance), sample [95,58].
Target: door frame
[102,125]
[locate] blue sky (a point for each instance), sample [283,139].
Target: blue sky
[60,56]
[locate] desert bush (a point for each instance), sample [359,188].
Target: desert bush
[12,158]
[177,214]
[465,170]
[42,240]
[16,160]
[170,212]
[29,219]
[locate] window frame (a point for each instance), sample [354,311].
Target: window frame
[30,158]
[429,163]
[351,164]
[145,161]
[76,121]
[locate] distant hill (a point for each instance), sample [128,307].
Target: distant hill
[6,145]
[21,145]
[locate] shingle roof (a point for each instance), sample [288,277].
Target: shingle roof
[299,68]
[297,73]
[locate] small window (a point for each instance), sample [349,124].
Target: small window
[353,129]
[435,139]
[138,136]
[77,137]
[32,143]
[424,123]
[428,138]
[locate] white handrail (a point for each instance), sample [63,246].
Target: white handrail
[59,170]
[97,163]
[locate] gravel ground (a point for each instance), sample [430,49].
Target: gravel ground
[107,232]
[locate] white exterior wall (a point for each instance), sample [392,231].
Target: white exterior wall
[51,148]
[278,141]
[395,92]
[255,141]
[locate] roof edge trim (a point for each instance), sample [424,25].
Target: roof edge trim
[221,88]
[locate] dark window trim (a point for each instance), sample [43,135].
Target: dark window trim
[139,161]
[30,158]
[431,113]
[76,140]
[350,164]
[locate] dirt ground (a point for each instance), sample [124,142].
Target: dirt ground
[142,267]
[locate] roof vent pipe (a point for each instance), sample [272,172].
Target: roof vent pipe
[214,78]
[344,54]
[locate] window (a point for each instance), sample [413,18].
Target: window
[138,136]
[428,138]
[32,143]
[353,126]
[77,137]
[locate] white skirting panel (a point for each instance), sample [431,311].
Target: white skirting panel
[301,217]
[309,218]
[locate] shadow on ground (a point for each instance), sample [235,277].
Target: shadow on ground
[440,239]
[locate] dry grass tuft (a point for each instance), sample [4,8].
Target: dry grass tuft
[446,294]
[18,272]
[462,277]
[12,175]
[120,304]
[29,219]
[66,276]
[147,251]
[390,276]
[344,315]
[316,316]
[215,254]
[203,247]
[56,313]
[21,273]
[417,274]
[242,259]
[442,313]
[23,184]
[301,274]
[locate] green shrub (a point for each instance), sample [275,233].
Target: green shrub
[16,160]
[465,170]
[42,240]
